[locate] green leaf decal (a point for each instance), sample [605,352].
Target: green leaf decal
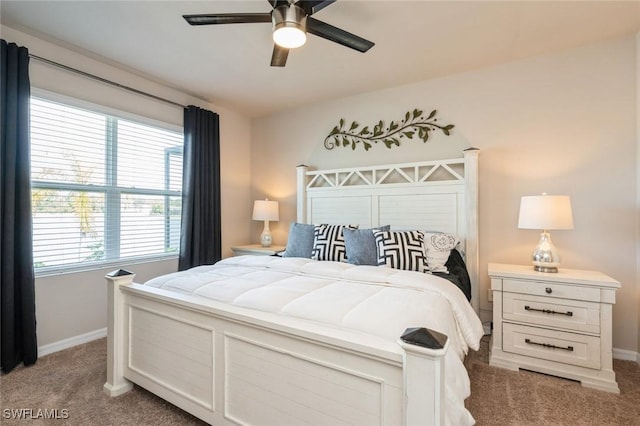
[413,122]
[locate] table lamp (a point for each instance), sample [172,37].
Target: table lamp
[545,212]
[265,210]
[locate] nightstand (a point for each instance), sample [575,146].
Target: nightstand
[554,323]
[256,250]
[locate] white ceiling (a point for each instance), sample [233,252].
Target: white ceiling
[229,64]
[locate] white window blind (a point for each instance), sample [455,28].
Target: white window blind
[103,188]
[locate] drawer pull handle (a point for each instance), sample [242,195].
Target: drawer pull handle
[548,345]
[548,290]
[548,311]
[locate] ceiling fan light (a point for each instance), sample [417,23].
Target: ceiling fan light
[289,35]
[289,26]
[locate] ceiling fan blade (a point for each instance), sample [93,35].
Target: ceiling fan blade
[227,18]
[314,6]
[279,56]
[335,34]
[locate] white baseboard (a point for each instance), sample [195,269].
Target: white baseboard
[626,355]
[71,342]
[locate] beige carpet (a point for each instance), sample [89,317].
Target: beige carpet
[73,379]
[504,397]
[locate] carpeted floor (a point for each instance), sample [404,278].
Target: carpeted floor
[509,398]
[72,380]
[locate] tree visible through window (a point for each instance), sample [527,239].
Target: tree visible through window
[103,188]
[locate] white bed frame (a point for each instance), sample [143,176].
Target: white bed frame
[229,365]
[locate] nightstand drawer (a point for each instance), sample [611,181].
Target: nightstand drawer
[572,315]
[564,291]
[551,345]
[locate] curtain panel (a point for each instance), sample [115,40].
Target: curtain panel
[18,343]
[201,228]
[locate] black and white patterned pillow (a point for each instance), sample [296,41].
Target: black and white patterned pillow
[401,250]
[328,243]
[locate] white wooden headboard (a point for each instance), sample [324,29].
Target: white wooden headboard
[437,195]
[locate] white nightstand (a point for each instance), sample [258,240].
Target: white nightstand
[256,250]
[554,323]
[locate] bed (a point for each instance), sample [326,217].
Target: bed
[277,341]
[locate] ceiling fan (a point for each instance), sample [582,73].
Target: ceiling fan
[291,21]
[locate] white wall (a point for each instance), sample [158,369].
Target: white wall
[73,304]
[562,123]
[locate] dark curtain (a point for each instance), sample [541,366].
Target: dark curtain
[17,293]
[200,240]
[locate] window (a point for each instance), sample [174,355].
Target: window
[103,188]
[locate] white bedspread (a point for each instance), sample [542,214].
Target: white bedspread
[375,300]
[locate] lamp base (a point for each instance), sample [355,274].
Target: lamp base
[547,269]
[265,240]
[545,256]
[265,237]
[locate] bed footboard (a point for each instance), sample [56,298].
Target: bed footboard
[226,365]
[116,384]
[424,384]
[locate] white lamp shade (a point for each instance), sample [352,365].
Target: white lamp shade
[545,212]
[266,210]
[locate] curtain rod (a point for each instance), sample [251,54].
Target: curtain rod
[104,80]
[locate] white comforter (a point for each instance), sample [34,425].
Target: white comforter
[376,300]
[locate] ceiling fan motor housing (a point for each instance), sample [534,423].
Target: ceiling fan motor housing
[289,16]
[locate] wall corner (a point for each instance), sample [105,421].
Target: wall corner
[638,189]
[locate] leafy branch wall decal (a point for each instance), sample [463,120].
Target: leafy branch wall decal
[413,122]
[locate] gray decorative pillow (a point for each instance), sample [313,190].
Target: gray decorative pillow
[300,241]
[361,245]
[401,250]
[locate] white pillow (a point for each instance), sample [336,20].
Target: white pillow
[438,246]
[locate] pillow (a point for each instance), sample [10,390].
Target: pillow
[328,243]
[361,245]
[401,250]
[438,246]
[300,241]
[458,273]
